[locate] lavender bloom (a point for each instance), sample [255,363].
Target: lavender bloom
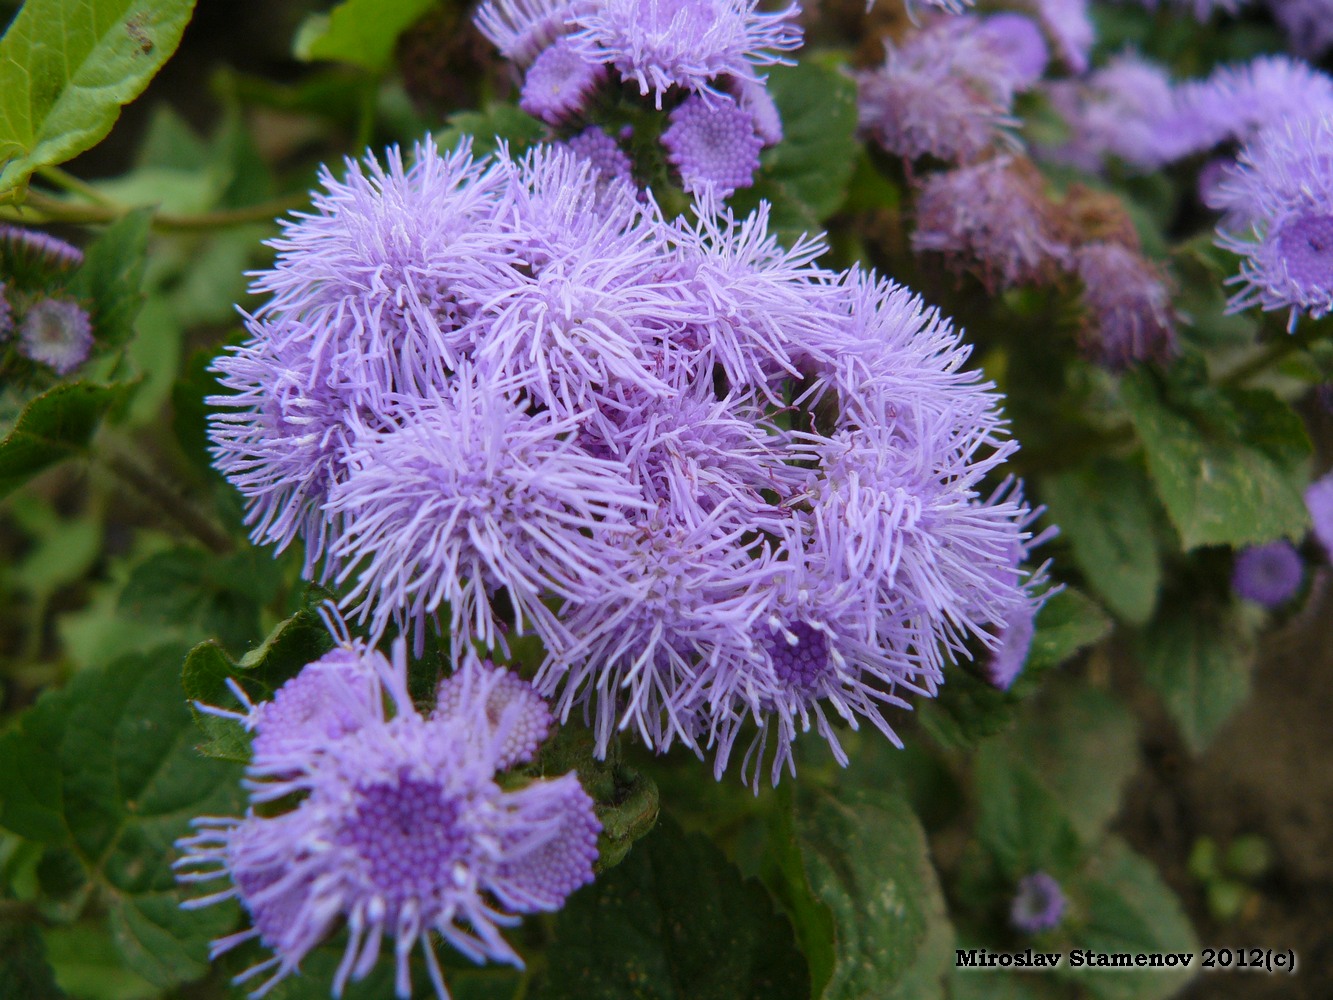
[991,218]
[1069,26]
[559,82]
[400,830]
[1288,267]
[691,44]
[522,29]
[1018,40]
[1039,904]
[1268,574]
[602,152]
[1237,101]
[1308,24]
[1122,110]
[57,333]
[946,91]
[29,250]
[1008,658]
[1286,167]
[1128,307]
[1319,502]
[755,100]
[6,313]
[508,704]
[713,144]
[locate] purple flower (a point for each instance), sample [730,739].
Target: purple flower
[6,313]
[399,829]
[1319,502]
[1068,23]
[28,250]
[755,100]
[1239,100]
[1290,266]
[603,153]
[509,705]
[1308,24]
[468,494]
[690,44]
[945,91]
[1268,574]
[1128,315]
[1125,109]
[1039,904]
[1286,167]
[712,144]
[522,29]
[991,218]
[56,332]
[1018,40]
[559,82]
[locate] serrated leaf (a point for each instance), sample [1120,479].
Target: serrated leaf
[1067,623]
[1229,464]
[1105,512]
[674,921]
[54,426]
[111,278]
[489,127]
[67,67]
[359,32]
[866,860]
[1020,822]
[1128,909]
[1198,660]
[293,643]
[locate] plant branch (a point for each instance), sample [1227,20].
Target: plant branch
[43,208]
[170,502]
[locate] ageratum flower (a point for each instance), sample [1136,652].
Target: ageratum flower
[1268,574]
[36,255]
[522,29]
[56,332]
[1069,25]
[603,153]
[1127,307]
[1039,904]
[1288,166]
[399,827]
[691,44]
[1237,101]
[712,143]
[559,82]
[1319,502]
[1308,24]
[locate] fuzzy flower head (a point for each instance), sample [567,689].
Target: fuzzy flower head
[991,218]
[1288,266]
[523,29]
[33,256]
[1128,315]
[1319,502]
[713,144]
[508,705]
[1268,574]
[690,44]
[1039,904]
[1068,24]
[1239,100]
[602,153]
[1287,167]
[398,829]
[559,82]
[1308,24]
[57,333]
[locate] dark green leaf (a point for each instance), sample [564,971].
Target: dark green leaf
[359,32]
[1105,512]
[55,426]
[88,966]
[866,860]
[489,127]
[675,921]
[293,643]
[1197,658]
[967,710]
[1066,623]
[24,972]
[1128,909]
[129,783]
[1229,464]
[30,801]
[1021,823]
[67,67]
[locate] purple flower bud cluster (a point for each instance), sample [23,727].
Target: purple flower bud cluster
[1039,904]
[947,90]
[399,828]
[724,486]
[699,59]
[53,329]
[1308,24]
[1268,574]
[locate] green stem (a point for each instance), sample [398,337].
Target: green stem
[170,502]
[64,179]
[41,208]
[1269,356]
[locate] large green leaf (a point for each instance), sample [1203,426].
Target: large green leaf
[1229,464]
[1198,659]
[116,744]
[1105,511]
[111,276]
[67,67]
[865,862]
[24,972]
[55,426]
[1021,823]
[674,921]
[360,32]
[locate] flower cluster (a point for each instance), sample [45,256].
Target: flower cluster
[699,59]
[721,484]
[53,329]
[399,827]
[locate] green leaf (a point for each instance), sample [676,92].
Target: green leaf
[55,426]
[1198,659]
[359,32]
[1020,823]
[489,127]
[1229,464]
[293,643]
[87,965]
[111,278]
[1105,511]
[129,781]
[675,921]
[866,860]
[24,972]
[67,67]
[1067,623]
[1128,909]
